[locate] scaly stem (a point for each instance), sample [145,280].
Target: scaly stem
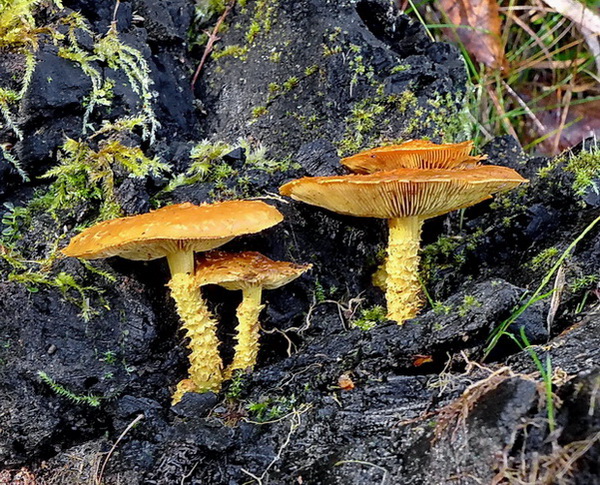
[205,362]
[403,289]
[246,349]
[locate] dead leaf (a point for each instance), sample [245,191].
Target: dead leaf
[564,124]
[345,382]
[419,360]
[478,28]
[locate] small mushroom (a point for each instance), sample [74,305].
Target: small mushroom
[250,272]
[176,232]
[406,197]
[414,154]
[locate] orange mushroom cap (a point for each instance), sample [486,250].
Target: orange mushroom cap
[414,154]
[403,192]
[246,269]
[179,227]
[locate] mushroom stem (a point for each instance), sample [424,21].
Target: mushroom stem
[403,289]
[205,362]
[246,349]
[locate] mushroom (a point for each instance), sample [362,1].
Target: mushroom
[176,232]
[414,154]
[406,197]
[250,272]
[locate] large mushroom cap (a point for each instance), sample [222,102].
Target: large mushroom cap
[413,154]
[403,192]
[179,227]
[242,270]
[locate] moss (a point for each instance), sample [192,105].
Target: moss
[584,283]
[370,317]
[236,51]
[120,56]
[275,57]
[290,83]
[368,116]
[468,304]
[586,168]
[261,22]
[259,111]
[400,68]
[544,259]
[207,166]
[18,28]
[89,400]
[441,254]
[271,408]
[84,175]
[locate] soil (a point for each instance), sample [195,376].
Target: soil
[328,402]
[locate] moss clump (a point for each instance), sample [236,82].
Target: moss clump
[85,174]
[259,111]
[18,27]
[120,56]
[370,317]
[468,304]
[207,166]
[443,253]
[586,168]
[261,23]
[236,51]
[371,113]
[544,259]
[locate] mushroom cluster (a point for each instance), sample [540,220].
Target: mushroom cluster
[405,184]
[177,232]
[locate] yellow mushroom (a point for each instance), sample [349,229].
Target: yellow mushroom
[250,272]
[414,154]
[176,232]
[406,197]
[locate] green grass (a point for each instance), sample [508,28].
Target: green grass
[539,294]
[549,67]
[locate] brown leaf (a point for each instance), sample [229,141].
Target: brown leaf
[564,125]
[345,382]
[478,29]
[419,360]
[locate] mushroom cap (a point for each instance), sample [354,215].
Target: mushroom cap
[413,154]
[403,192]
[246,269]
[174,228]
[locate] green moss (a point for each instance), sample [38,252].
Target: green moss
[236,51]
[271,408]
[544,259]
[275,57]
[259,111]
[448,118]
[441,254]
[84,175]
[468,304]
[584,283]
[261,22]
[586,168]
[207,166]
[120,56]
[369,116]
[400,68]
[89,400]
[18,28]
[370,317]
[290,83]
